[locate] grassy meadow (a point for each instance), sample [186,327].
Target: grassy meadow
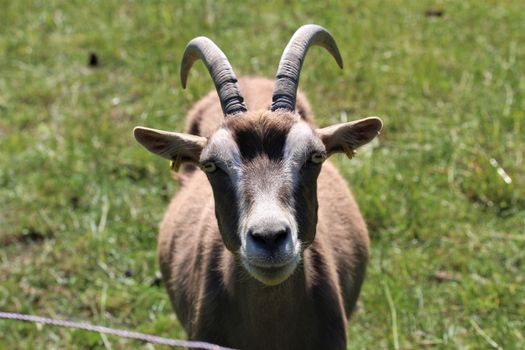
[442,190]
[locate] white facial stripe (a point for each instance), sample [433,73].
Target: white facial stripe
[300,142]
[223,146]
[298,138]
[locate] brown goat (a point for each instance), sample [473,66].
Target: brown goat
[236,246]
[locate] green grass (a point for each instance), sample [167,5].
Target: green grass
[80,201]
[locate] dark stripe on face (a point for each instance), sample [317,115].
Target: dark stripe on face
[265,134]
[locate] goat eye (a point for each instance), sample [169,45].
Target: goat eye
[208,167]
[318,157]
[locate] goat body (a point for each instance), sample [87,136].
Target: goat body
[214,297]
[265,248]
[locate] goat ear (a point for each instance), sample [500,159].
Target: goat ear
[347,137]
[171,145]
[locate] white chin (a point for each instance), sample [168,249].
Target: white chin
[271,276]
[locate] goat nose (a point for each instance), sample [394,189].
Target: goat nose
[270,240]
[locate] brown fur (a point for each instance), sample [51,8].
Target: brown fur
[214,297]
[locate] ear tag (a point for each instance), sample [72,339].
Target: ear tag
[175,164]
[350,153]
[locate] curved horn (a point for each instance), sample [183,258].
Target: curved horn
[287,77]
[220,70]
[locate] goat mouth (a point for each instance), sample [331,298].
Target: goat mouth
[271,274]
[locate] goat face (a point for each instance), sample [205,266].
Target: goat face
[263,168]
[263,178]
[262,165]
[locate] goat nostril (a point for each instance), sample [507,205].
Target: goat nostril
[280,237]
[258,238]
